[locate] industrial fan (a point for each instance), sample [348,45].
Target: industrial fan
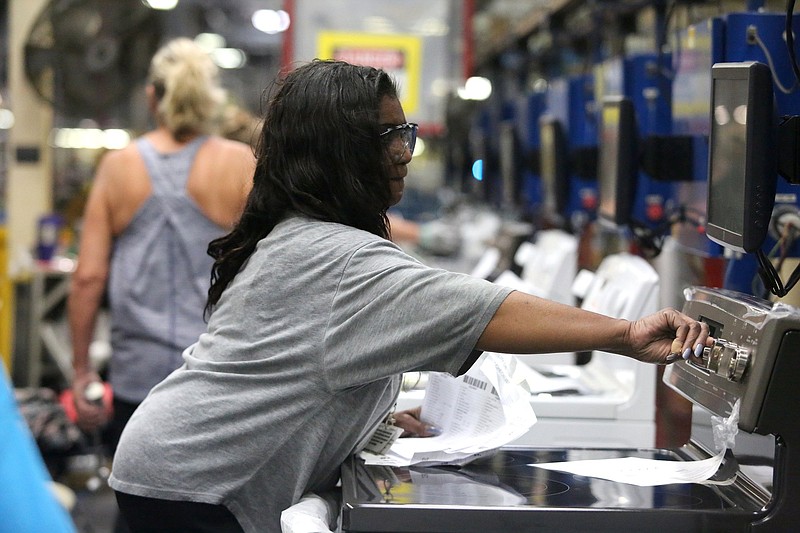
[85,56]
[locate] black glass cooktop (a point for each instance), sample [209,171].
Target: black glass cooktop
[507,491]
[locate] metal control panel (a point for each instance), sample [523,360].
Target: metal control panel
[726,359]
[749,334]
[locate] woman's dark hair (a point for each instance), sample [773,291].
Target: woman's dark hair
[319,155]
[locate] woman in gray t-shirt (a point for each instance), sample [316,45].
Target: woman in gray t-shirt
[314,314]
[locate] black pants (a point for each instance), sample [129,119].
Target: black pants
[123,411]
[150,515]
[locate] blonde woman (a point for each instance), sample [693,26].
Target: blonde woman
[153,208]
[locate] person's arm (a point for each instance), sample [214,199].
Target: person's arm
[88,285]
[526,324]
[435,236]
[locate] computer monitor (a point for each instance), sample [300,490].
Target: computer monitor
[510,163]
[618,167]
[553,165]
[742,165]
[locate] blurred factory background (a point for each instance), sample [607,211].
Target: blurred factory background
[580,127]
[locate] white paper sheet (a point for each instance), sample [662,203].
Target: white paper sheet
[477,413]
[487,408]
[639,471]
[651,472]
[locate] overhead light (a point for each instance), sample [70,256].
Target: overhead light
[90,138]
[377,24]
[431,27]
[476,88]
[162,5]
[229,58]
[115,139]
[270,21]
[210,41]
[6,119]
[740,114]
[721,115]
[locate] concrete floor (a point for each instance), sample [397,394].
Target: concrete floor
[94,509]
[95,512]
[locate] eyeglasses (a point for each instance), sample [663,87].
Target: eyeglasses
[404,133]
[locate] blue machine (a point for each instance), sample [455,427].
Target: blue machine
[499,153]
[641,78]
[583,147]
[571,102]
[530,107]
[483,153]
[695,50]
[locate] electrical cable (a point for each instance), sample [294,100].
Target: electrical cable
[771,278]
[784,243]
[668,72]
[777,80]
[651,240]
[779,251]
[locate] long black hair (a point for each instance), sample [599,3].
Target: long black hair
[320,155]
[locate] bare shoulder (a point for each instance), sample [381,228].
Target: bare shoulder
[233,159]
[122,168]
[230,148]
[222,178]
[120,158]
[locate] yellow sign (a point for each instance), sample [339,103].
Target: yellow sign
[399,55]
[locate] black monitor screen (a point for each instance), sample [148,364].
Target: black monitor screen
[553,165]
[727,154]
[509,162]
[742,169]
[618,165]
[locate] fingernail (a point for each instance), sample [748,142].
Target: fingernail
[433,431]
[698,350]
[687,353]
[671,357]
[676,346]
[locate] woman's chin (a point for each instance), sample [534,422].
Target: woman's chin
[396,188]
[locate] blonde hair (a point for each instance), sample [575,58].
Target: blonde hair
[187,88]
[239,124]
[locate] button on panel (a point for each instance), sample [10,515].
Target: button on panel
[726,359]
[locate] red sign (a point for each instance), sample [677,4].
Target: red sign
[374,57]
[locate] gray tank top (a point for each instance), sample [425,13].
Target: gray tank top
[159,277]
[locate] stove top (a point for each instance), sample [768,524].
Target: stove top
[508,489]
[754,362]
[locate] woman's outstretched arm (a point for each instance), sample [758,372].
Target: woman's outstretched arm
[527,324]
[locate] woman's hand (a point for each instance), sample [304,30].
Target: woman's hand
[91,415]
[665,337]
[411,424]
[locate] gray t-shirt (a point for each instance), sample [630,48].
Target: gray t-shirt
[300,361]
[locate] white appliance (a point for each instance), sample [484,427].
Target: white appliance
[610,401]
[549,265]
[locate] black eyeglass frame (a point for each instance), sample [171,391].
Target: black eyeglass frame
[409,139]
